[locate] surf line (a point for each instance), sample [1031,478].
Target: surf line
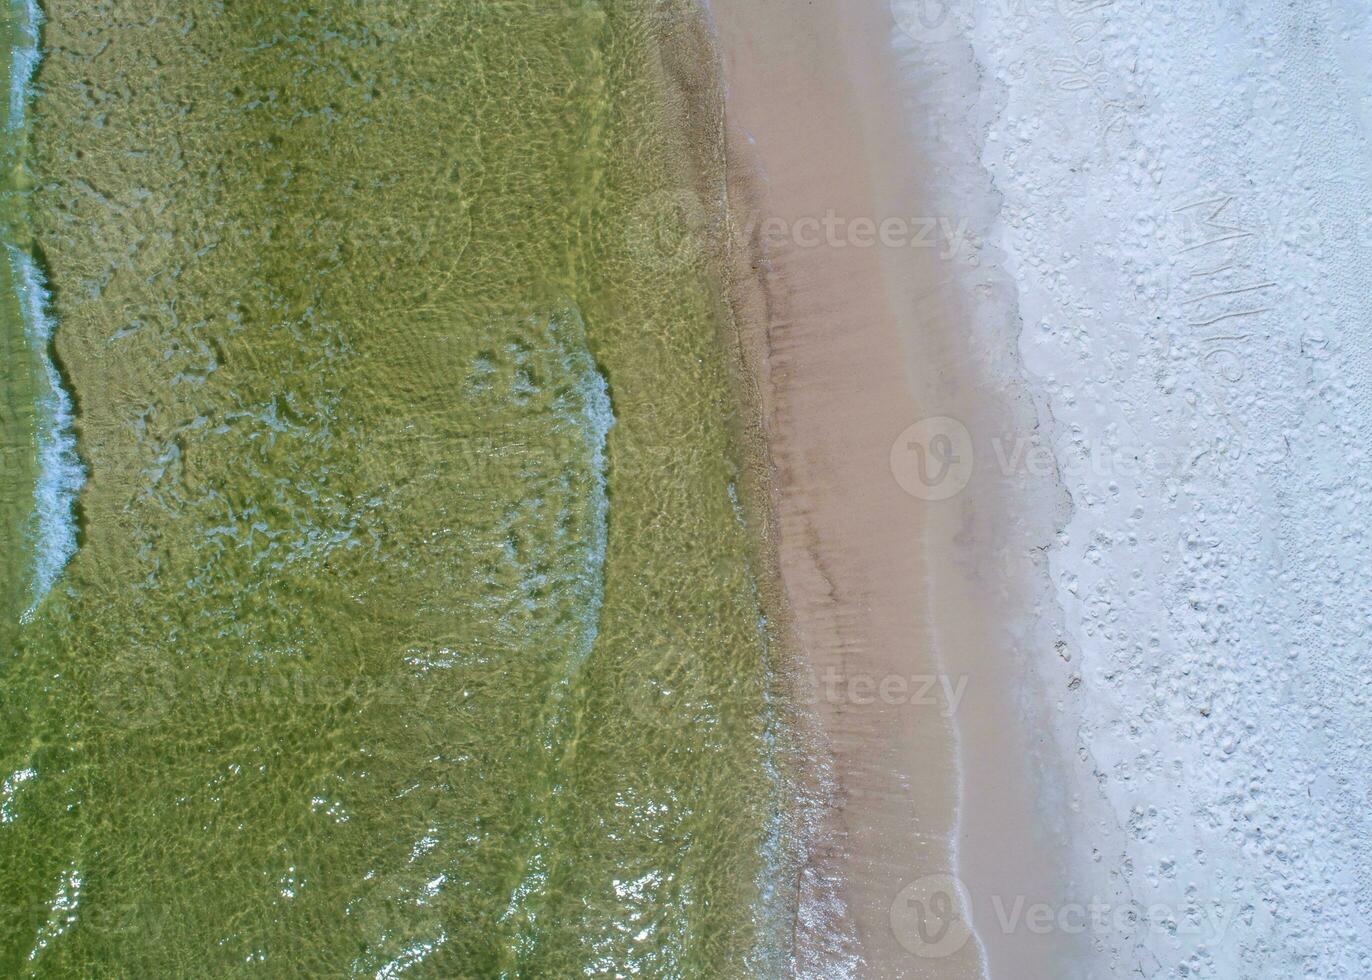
[61,474]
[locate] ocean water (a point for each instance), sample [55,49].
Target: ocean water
[23,393]
[407,620]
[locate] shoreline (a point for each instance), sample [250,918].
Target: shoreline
[690,66]
[860,855]
[922,799]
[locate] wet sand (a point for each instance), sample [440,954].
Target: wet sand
[852,344]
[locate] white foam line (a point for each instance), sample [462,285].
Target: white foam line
[593,417]
[23,60]
[60,473]
[598,418]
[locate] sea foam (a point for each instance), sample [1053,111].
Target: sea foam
[24,58]
[595,419]
[60,472]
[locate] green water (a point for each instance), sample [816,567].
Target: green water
[20,370]
[18,401]
[413,627]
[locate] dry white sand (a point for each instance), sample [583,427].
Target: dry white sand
[1184,192]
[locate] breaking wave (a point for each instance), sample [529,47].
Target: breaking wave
[60,472]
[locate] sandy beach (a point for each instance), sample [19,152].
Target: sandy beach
[1055,390]
[848,534]
[893,586]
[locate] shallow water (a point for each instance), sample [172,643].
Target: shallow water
[412,626]
[22,392]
